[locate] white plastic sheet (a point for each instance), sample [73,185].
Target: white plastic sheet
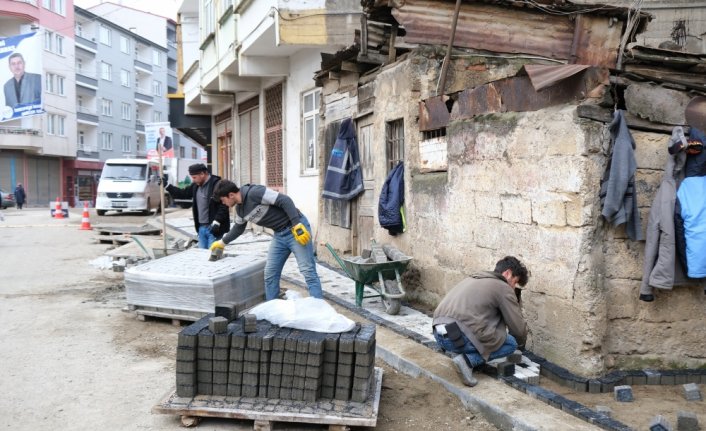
[310,314]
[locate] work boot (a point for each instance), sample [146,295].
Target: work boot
[465,370]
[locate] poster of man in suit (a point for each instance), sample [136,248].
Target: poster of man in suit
[20,76]
[159,136]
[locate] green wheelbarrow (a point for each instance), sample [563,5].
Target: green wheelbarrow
[382,277]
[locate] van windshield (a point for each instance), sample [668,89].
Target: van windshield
[124,172]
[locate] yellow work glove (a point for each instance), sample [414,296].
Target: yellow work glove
[301,234]
[217,244]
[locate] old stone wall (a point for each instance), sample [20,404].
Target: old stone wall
[527,184]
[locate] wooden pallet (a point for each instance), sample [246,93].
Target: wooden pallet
[154,313]
[338,415]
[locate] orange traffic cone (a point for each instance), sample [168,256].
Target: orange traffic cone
[85,222]
[58,213]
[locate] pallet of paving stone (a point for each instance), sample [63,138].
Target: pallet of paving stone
[188,282]
[338,414]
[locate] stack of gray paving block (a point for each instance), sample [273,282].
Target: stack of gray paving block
[692,392]
[238,341]
[219,358]
[364,362]
[328,384]
[660,423]
[187,281]
[204,362]
[346,364]
[314,366]
[274,382]
[623,393]
[186,370]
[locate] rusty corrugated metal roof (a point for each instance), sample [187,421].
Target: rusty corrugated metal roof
[543,76]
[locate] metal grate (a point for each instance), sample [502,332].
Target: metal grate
[394,137]
[273,136]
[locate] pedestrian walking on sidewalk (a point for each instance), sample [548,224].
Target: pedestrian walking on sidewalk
[20,196]
[211,217]
[273,210]
[475,316]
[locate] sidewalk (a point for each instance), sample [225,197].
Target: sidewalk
[405,342]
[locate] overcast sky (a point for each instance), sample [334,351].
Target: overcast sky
[165,8]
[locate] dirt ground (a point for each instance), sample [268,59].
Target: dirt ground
[73,359]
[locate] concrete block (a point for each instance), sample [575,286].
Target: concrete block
[328,392]
[187,340]
[660,423]
[287,369]
[280,338]
[345,358]
[604,410]
[506,369]
[251,379]
[365,338]
[227,310]
[219,389]
[220,354]
[221,341]
[205,353]
[311,384]
[186,367]
[274,380]
[316,343]
[667,377]
[251,355]
[220,366]
[218,325]
[186,354]
[342,393]
[285,393]
[328,380]
[299,370]
[273,392]
[687,421]
[205,339]
[298,394]
[249,391]
[186,391]
[680,378]
[204,365]
[346,341]
[653,377]
[311,395]
[515,358]
[289,357]
[235,366]
[287,381]
[345,370]
[276,368]
[594,386]
[301,358]
[203,388]
[692,392]
[313,372]
[185,379]
[623,393]
[314,359]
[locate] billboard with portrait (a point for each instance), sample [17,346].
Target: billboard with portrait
[159,134]
[20,76]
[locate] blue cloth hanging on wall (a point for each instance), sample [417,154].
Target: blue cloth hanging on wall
[344,178]
[391,201]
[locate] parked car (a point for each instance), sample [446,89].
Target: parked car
[8,199]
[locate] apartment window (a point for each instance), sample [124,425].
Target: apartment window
[78,29]
[106,71]
[59,45]
[80,139]
[106,141]
[124,44]
[394,139]
[46,4]
[107,107]
[125,143]
[54,84]
[60,7]
[79,65]
[157,116]
[310,127]
[126,111]
[156,88]
[156,57]
[194,153]
[48,40]
[182,152]
[124,78]
[105,36]
[49,82]
[56,124]
[208,20]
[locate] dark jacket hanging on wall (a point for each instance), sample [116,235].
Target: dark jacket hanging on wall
[391,201]
[618,194]
[344,179]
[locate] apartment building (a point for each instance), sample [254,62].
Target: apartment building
[34,148]
[250,67]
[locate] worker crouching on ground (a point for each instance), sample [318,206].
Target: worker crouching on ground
[268,208]
[473,319]
[211,217]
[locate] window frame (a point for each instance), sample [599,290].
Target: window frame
[106,107]
[106,141]
[105,35]
[309,153]
[126,111]
[106,70]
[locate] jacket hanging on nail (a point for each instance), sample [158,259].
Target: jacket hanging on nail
[391,200]
[344,179]
[618,194]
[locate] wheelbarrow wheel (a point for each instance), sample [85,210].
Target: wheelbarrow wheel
[392,305]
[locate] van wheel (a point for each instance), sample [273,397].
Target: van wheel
[147,211]
[100,212]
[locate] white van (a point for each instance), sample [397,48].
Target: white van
[128,185]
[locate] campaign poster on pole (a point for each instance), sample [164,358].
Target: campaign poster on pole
[20,76]
[159,134]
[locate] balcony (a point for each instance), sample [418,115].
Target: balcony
[88,153]
[86,81]
[140,127]
[86,116]
[86,45]
[142,96]
[142,66]
[25,10]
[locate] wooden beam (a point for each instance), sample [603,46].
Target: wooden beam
[605,115]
